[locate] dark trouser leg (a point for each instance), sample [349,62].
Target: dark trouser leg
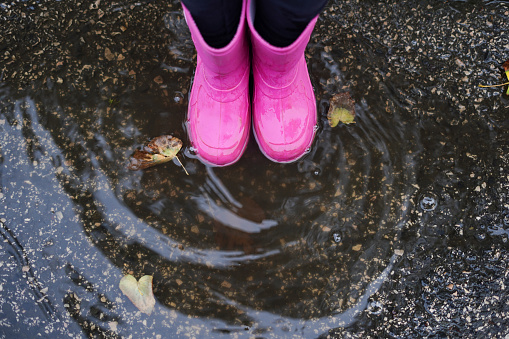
[217,20]
[280,22]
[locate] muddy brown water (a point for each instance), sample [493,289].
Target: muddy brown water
[395,226]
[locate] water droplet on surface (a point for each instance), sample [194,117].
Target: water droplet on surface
[375,308]
[458,228]
[178,97]
[337,237]
[428,201]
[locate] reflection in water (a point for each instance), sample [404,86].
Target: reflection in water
[241,247]
[234,222]
[428,201]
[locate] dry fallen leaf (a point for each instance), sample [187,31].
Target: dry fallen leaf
[139,292]
[341,109]
[506,68]
[505,65]
[158,151]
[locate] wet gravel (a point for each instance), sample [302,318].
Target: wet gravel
[423,60]
[452,282]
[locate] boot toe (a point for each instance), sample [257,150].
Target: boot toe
[285,133]
[219,131]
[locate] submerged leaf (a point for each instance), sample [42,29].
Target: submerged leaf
[139,292]
[343,115]
[341,109]
[158,151]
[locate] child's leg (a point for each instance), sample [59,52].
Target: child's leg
[281,22]
[217,20]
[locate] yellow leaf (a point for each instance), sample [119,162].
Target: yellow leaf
[343,115]
[341,109]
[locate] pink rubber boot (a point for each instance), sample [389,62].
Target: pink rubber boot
[219,116]
[284,106]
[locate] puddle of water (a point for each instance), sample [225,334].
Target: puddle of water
[257,248]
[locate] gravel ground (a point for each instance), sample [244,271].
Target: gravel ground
[423,59]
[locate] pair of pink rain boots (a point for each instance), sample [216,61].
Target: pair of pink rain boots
[283,107]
